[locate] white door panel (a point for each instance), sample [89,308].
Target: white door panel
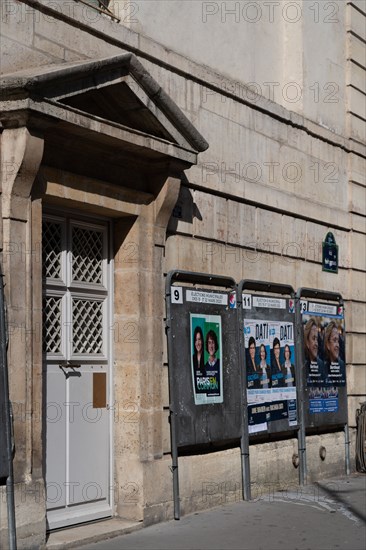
[88,436]
[77,308]
[56,432]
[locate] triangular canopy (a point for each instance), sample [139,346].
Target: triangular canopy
[113,101]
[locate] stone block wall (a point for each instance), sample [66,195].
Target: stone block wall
[278,175]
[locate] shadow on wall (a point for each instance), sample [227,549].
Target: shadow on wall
[185,209]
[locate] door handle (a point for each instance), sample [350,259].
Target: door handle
[69,365]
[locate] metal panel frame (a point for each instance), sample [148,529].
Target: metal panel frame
[270,288]
[175,276]
[302,293]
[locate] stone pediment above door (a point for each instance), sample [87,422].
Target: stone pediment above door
[111,109]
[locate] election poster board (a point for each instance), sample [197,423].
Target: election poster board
[270,363]
[324,355]
[204,377]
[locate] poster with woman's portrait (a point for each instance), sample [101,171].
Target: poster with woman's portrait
[325,366]
[256,342]
[270,372]
[324,351]
[283,360]
[206,358]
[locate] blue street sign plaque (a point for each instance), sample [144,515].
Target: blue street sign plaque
[330,254]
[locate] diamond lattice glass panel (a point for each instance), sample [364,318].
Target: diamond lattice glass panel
[87,255]
[51,249]
[53,324]
[87,326]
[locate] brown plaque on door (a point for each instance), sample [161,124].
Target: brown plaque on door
[99,390]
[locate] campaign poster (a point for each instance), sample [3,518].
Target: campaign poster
[270,361]
[283,378]
[256,342]
[206,358]
[283,360]
[324,349]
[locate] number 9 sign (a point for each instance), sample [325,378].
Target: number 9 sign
[176,294]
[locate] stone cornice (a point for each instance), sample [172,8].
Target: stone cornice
[123,37]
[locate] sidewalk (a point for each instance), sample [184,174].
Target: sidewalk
[329,514]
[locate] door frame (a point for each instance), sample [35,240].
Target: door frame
[108,345]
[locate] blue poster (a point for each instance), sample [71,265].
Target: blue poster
[270,366]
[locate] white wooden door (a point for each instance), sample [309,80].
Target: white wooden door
[77,369]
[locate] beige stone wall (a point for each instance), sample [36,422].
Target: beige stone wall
[356,70]
[21,154]
[275,179]
[356,124]
[292,35]
[29,513]
[214,479]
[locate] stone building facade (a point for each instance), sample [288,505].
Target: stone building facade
[217,137]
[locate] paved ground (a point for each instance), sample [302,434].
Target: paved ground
[324,516]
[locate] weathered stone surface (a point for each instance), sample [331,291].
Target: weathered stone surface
[283,168]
